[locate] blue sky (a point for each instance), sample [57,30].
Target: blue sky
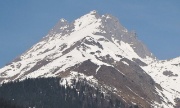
[24,22]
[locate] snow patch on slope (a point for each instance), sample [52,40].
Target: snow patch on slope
[68,81]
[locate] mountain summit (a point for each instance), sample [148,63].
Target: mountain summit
[98,48]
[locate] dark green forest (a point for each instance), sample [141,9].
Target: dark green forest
[48,93]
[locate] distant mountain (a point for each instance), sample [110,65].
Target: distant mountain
[100,49]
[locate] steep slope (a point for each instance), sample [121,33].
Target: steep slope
[99,46]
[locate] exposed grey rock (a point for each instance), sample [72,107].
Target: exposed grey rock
[123,77]
[177,100]
[139,62]
[169,74]
[114,29]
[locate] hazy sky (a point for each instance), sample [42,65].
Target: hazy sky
[24,22]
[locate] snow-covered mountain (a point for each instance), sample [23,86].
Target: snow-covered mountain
[99,48]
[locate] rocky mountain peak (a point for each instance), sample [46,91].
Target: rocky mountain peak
[62,23]
[98,46]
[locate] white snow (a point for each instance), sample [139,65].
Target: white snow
[125,63]
[78,76]
[168,83]
[62,20]
[98,69]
